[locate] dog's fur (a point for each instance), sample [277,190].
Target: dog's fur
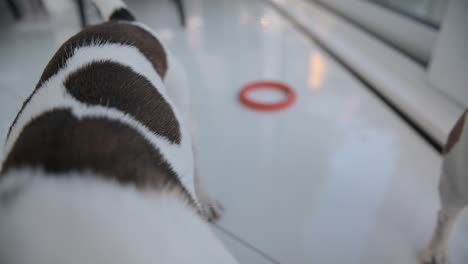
[99,165]
[453,192]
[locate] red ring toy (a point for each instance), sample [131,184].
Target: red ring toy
[290,95]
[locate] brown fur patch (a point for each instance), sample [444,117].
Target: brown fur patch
[455,134]
[114,85]
[109,32]
[58,142]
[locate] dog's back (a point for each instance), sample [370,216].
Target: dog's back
[98,162]
[101,104]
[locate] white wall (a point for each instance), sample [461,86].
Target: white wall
[448,69]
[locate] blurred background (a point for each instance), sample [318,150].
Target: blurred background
[349,172]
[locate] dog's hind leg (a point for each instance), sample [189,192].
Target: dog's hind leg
[453,193]
[211,209]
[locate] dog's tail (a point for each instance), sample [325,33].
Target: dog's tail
[114,10]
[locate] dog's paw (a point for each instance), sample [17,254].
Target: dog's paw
[211,209]
[429,256]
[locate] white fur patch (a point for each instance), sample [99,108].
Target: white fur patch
[76,219]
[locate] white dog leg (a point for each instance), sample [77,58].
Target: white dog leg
[436,252]
[453,192]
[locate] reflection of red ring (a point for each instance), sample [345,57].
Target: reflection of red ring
[289,92]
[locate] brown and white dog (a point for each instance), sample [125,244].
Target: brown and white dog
[99,165]
[453,192]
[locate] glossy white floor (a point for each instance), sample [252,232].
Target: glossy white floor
[337,178]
